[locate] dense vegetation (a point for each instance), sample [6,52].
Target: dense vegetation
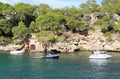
[20,20]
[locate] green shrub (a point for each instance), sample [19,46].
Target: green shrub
[5,40]
[46,37]
[107,34]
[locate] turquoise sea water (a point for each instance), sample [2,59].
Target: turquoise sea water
[68,66]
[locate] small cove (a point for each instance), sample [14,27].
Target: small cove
[75,65]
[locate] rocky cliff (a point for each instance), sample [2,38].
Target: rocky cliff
[95,40]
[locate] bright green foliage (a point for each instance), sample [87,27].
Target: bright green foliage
[84,8]
[89,6]
[7,9]
[111,5]
[5,28]
[20,31]
[47,37]
[22,19]
[72,12]
[42,9]
[4,40]
[24,13]
[3,24]
[33,27]
[107,34]
[74,24]
[24,8]
[104,22]
[50,21]
[107,25]
[117,26]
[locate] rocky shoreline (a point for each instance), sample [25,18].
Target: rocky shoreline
[95,40]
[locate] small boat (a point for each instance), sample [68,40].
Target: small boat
[99,55]
[50,56]
[17,52]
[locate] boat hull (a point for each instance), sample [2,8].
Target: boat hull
[52,57]
[99,55]
[16,52]
[105,56]
[95,57]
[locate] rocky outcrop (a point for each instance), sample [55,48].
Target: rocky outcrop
[95,40]
[64,47]
[9,47]
[90,19]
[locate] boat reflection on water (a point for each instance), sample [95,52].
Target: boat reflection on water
[99,62]
[99,68]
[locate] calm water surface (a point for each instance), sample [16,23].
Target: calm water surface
[68,66]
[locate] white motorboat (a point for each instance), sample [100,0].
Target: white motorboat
[99,55]
[17,52]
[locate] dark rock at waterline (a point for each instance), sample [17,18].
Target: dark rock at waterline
[53,51]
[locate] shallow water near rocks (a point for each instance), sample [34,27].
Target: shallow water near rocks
[69,66]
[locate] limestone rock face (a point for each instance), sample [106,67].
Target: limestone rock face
[34,45]
[95,40]
[9,47]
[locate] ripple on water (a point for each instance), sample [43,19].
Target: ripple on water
[69,66]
